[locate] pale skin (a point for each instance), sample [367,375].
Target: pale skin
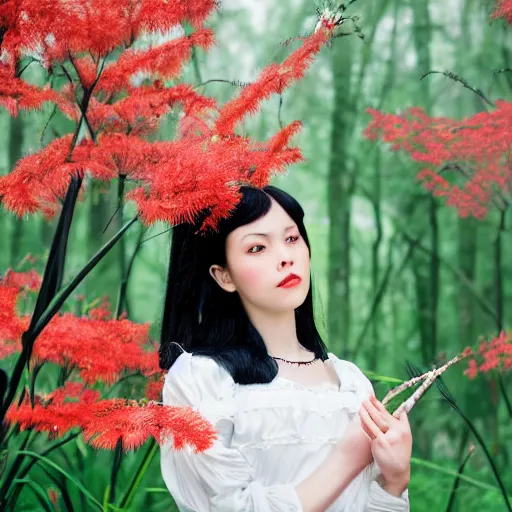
[255,265]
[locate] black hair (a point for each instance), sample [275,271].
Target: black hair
[204,319]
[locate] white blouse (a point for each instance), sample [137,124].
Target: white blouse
[270,437]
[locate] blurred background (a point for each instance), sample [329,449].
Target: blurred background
[400,277]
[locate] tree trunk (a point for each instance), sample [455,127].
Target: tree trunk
[340,187]
[377,204]
[426,271]
[426,267]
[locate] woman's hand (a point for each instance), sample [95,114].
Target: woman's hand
[391,442]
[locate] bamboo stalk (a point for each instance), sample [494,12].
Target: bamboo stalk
[428,379]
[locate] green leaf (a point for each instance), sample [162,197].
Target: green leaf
[382,378]
[52,464]
[40,493]
[447,471]
[143,467]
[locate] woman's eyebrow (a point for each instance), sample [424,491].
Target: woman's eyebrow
[266,234]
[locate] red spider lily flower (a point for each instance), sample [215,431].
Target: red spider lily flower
[163,62]
[12,286]
[472,370]
[97,346]
[16,94]
[491,355]
[468,351]
[476,150]
[11,327]
[201,170]
[105,422]
[273,79]
[141,111]
[98,349]
[53,30]
[503,9]
[154,388]
[30,280]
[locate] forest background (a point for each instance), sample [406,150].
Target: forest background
[401,277]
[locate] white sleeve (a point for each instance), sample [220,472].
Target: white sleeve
[378,499]
[219,479]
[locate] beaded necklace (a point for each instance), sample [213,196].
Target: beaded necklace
[296,362]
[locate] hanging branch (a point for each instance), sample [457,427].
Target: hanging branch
[460,80]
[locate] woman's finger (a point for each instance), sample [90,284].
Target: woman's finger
[382,409]
[404,418]
[370,424]
[376,416]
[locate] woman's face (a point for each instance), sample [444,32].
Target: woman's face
[259,256]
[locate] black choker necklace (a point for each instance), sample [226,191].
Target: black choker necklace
[295,362]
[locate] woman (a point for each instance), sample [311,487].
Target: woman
[298,429]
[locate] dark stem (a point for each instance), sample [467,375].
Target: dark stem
[33,377]
[116,464]
[121,299]
[52,280]
[456,483]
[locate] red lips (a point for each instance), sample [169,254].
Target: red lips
[289,277]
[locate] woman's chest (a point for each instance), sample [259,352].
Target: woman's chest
[284,413]
[285,430]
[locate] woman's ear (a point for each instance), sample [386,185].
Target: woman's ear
[222,277]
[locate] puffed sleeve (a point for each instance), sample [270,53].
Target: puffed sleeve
[376,499]
[219,479]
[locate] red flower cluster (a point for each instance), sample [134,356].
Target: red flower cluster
[99,347]
[495,354]
[503,10]
[54,30]
[206,163]
[104,422]
[474,151]
[12,286]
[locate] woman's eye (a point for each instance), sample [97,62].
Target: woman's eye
[250,251]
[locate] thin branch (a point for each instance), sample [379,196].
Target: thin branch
[154,236]
[236,83]
[20,72]
[279,110]
[110,220]
[461,80]
[486,306]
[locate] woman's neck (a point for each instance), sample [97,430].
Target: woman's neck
[279,334]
